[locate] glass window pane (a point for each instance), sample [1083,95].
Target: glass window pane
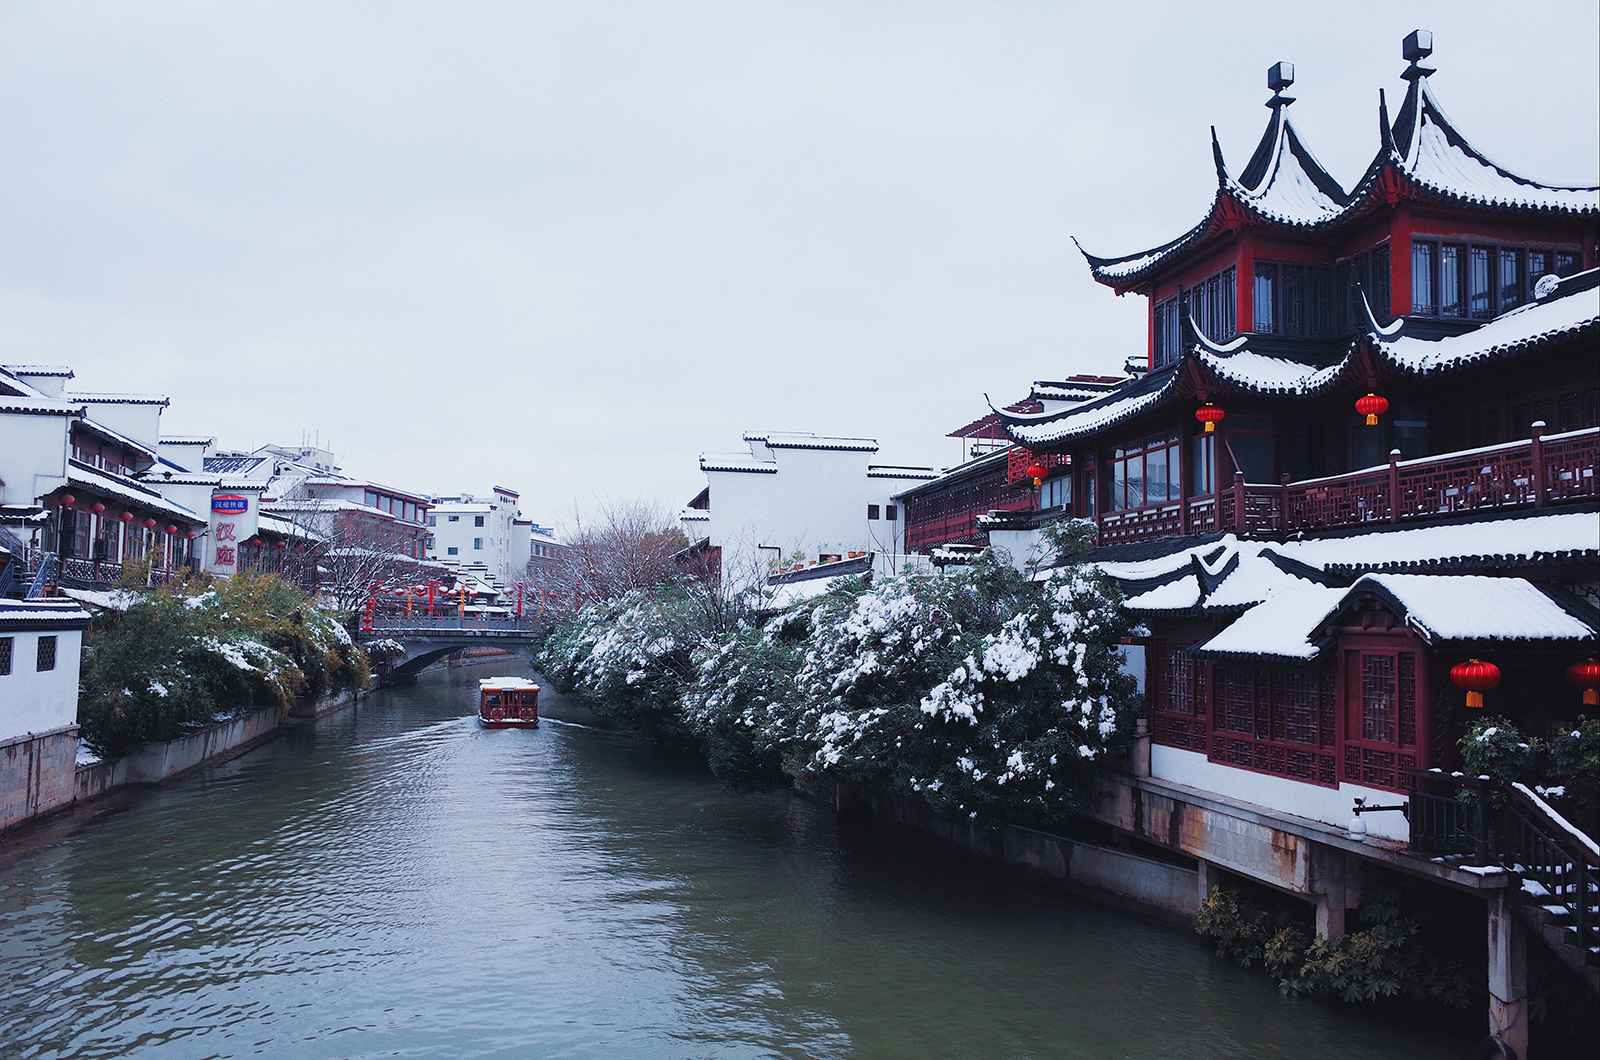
[1201,464]
[1378,275]
[1228,314]
[1566,263]
[1481,281]
[1266,276]
[1538,265]
[1119,486]
[1452,296]
[1510,280]
[1377,698]
[1135,496]
[1291,295]
[1155,467]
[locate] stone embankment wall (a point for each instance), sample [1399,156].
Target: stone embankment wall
[39,774]
[36,774]
[1118,877]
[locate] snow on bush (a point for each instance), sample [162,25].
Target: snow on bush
[990,695]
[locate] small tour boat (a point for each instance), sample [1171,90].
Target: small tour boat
[508,703]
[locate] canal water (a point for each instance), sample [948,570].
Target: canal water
[394,881]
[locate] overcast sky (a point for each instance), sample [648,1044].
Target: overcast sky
[567,247]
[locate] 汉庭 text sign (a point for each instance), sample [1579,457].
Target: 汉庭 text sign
[234,520]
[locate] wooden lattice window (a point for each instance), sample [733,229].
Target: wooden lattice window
[1276,720]
[1381,723]
[1176,684]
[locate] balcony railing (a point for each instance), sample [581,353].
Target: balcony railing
[101,572]
[1532,473]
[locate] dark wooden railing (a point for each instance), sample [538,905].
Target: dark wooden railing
[1508,825]
[1531,473]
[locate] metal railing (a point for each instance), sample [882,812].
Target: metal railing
[1510,826]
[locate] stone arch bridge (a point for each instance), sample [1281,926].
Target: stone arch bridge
[427,640]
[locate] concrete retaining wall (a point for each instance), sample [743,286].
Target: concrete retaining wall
[1118,877]
[36,774]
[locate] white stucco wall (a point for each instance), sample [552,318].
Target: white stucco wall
[34,702]
[139,420]
[1312,801]
[33,455]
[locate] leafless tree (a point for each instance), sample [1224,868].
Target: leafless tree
[626,546]
[346,555]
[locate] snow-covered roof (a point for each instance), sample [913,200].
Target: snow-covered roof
[694,514]
[187,439]
[786,596]
[117,399]
[1569,537]
[1048,428]
[507,684]
[56,370]
[46,613]
[1527,326]
[1434,155]
[1473,607]
[801,440]
[1279,628]
[891,471]
[108,600]
[742,462]
[126,489]
[1285,185]
[287,527]
[39,406]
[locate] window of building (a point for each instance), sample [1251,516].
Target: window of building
[1143,472]
[872,511]
[1056,491]
[370,499]
[430,541]
[1177,685]
[1366,272]
[477,544]
[1292,299]
[1202,464]
[1214,305]
[452,551]
[477,520]
[1276,720]
[1381,717]
[890,512]
[433,520]
[1479,281]
[47,654]
[6,645]
[454,518]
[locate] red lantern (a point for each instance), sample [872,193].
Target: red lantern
[1477,677]
[1372,406]
[97,507]
[1209,415]
[1586,675]
[279,543]
[171,529]
[148,523]
[192,533]
[126,517]
[1037,472]
[68,499]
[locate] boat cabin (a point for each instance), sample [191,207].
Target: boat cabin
[508,703]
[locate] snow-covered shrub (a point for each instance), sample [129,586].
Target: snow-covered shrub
[630,657]
[1573,784]
[184,655]
[987,694]
[1497,749]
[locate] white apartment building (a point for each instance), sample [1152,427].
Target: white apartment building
[468,530]
[798,498]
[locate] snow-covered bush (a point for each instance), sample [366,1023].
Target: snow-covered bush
[184,655]
[985,693]
[630,657]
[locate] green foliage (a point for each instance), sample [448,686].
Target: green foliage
[1574,778]
[1387,957]
[1495,748]
[987,694]
[186,654]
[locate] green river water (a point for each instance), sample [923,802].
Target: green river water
[394,881]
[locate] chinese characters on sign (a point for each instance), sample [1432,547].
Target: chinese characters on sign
[233,521]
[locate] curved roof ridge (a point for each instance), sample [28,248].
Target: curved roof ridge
[1431,151]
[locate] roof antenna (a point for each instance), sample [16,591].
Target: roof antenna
[1418,46]
[1280,77]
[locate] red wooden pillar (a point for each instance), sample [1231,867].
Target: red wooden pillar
[1245,286]
[1536,436]
[1238,502]
[1399,264]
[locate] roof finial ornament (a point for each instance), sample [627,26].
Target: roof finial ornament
[1418,46]
[1385,134]
[1216,156]
[1280,77]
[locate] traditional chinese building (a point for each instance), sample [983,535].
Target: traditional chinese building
[1362,452]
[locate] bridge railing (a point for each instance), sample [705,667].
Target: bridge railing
[385,625]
